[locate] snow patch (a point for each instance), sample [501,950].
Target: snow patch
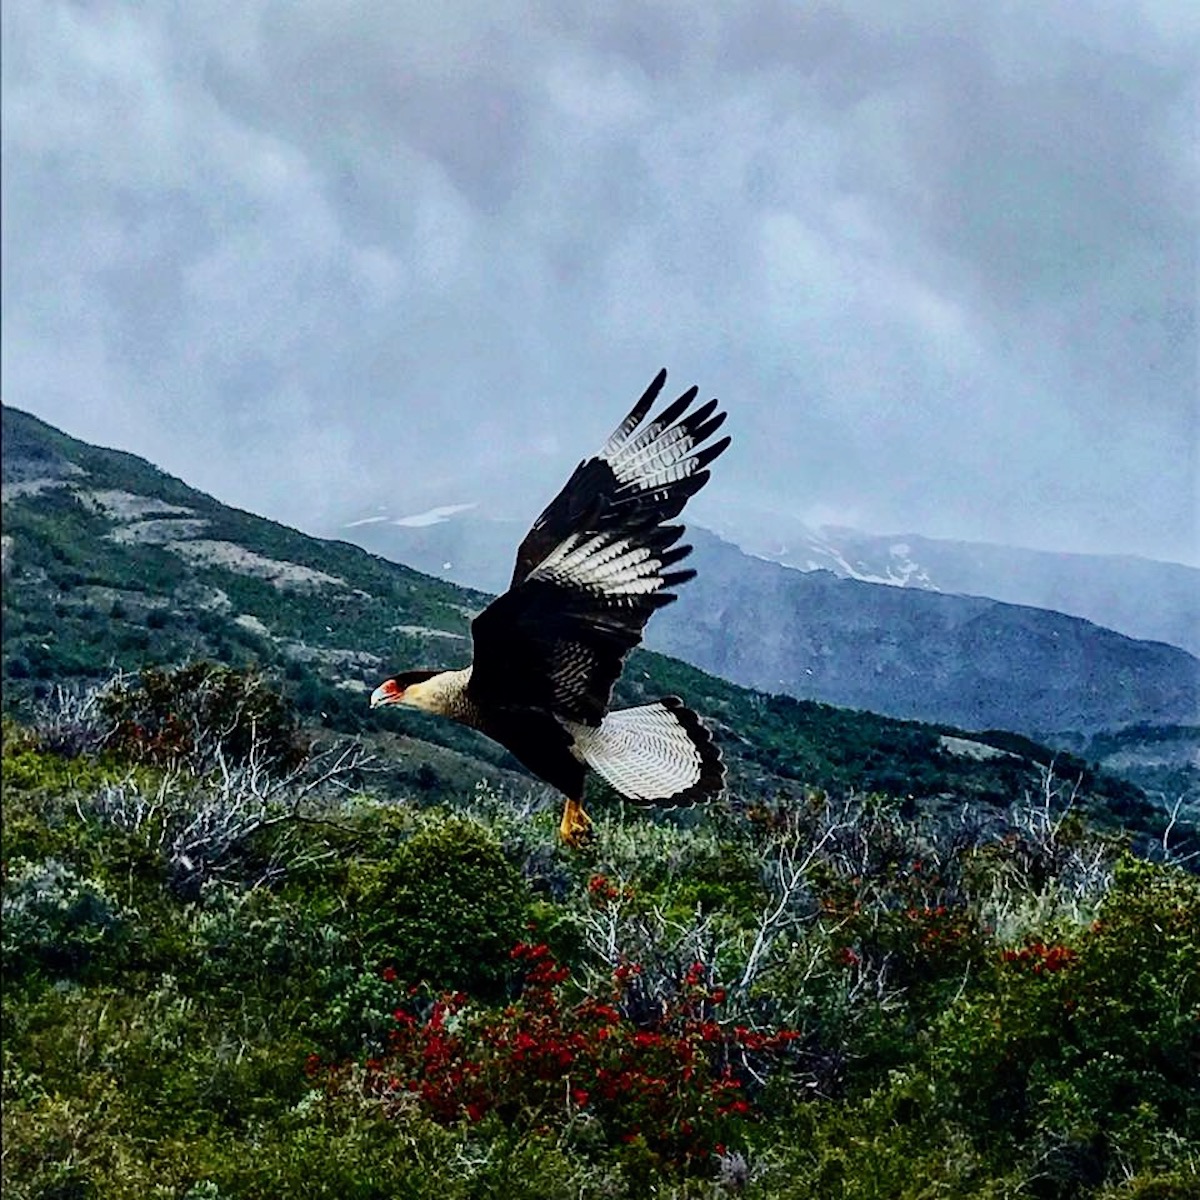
[432,516]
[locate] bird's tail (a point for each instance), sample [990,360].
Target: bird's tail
[657,754]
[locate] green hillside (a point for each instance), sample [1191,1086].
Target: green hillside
[259,942]
[219,984]
[113,565]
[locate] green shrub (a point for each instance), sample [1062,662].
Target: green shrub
[443,908]
[55,920]
[1083,1048]
[199,715]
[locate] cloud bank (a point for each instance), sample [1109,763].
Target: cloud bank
[938,259]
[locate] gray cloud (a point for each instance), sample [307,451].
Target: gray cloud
[939,259]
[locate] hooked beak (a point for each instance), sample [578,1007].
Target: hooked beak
[388,692]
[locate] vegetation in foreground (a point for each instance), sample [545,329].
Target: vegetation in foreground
[233,970]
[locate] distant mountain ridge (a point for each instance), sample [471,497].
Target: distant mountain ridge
[1139,597]
[909,652]
[976,662]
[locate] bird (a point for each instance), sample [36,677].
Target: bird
[598,562]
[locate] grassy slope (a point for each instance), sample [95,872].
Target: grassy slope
[1009,1015]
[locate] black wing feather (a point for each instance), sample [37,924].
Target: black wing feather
[592,570]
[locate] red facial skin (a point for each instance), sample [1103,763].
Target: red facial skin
[388,692]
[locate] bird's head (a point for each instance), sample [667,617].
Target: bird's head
[405,688]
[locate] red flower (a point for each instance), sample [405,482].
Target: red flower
[389,974]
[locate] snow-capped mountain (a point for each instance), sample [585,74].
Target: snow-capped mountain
[455,541]
[1139,597]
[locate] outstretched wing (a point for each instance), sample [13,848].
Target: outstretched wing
[596,565]
[638,477]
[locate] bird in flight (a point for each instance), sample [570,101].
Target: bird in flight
[589,574]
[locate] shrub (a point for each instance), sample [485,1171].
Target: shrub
[443,908]
[1083,1048]
[201,716]
[55,920]
[679,1085]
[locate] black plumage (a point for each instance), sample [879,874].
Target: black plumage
[598,562]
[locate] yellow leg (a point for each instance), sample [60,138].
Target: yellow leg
[576,825]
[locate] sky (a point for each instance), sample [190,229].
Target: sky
[939,260]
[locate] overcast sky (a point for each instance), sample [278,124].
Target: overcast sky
[938,259]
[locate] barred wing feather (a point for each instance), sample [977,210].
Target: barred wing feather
[596,564]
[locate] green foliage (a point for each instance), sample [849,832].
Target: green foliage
[1080,1053]
[443,907]
[55,921]
[977,1010]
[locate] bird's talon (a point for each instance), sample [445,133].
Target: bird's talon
[576,826]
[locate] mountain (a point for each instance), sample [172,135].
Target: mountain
[1141,598]
[907,652]
[111,564]
[966,660]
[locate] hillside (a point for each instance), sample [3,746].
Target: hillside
[249,957]
[975,662]
[904,651]
[110,564]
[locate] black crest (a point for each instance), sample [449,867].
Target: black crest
[407,678]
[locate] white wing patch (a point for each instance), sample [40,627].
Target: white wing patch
[603,563]
[645,753]
[573,666]
[656,457]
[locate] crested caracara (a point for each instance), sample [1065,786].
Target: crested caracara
[589,574]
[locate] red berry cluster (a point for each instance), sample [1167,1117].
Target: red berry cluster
[602,891]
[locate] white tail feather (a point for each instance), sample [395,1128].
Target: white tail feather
[649,754]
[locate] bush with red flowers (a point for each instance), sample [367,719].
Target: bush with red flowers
[681,1084]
